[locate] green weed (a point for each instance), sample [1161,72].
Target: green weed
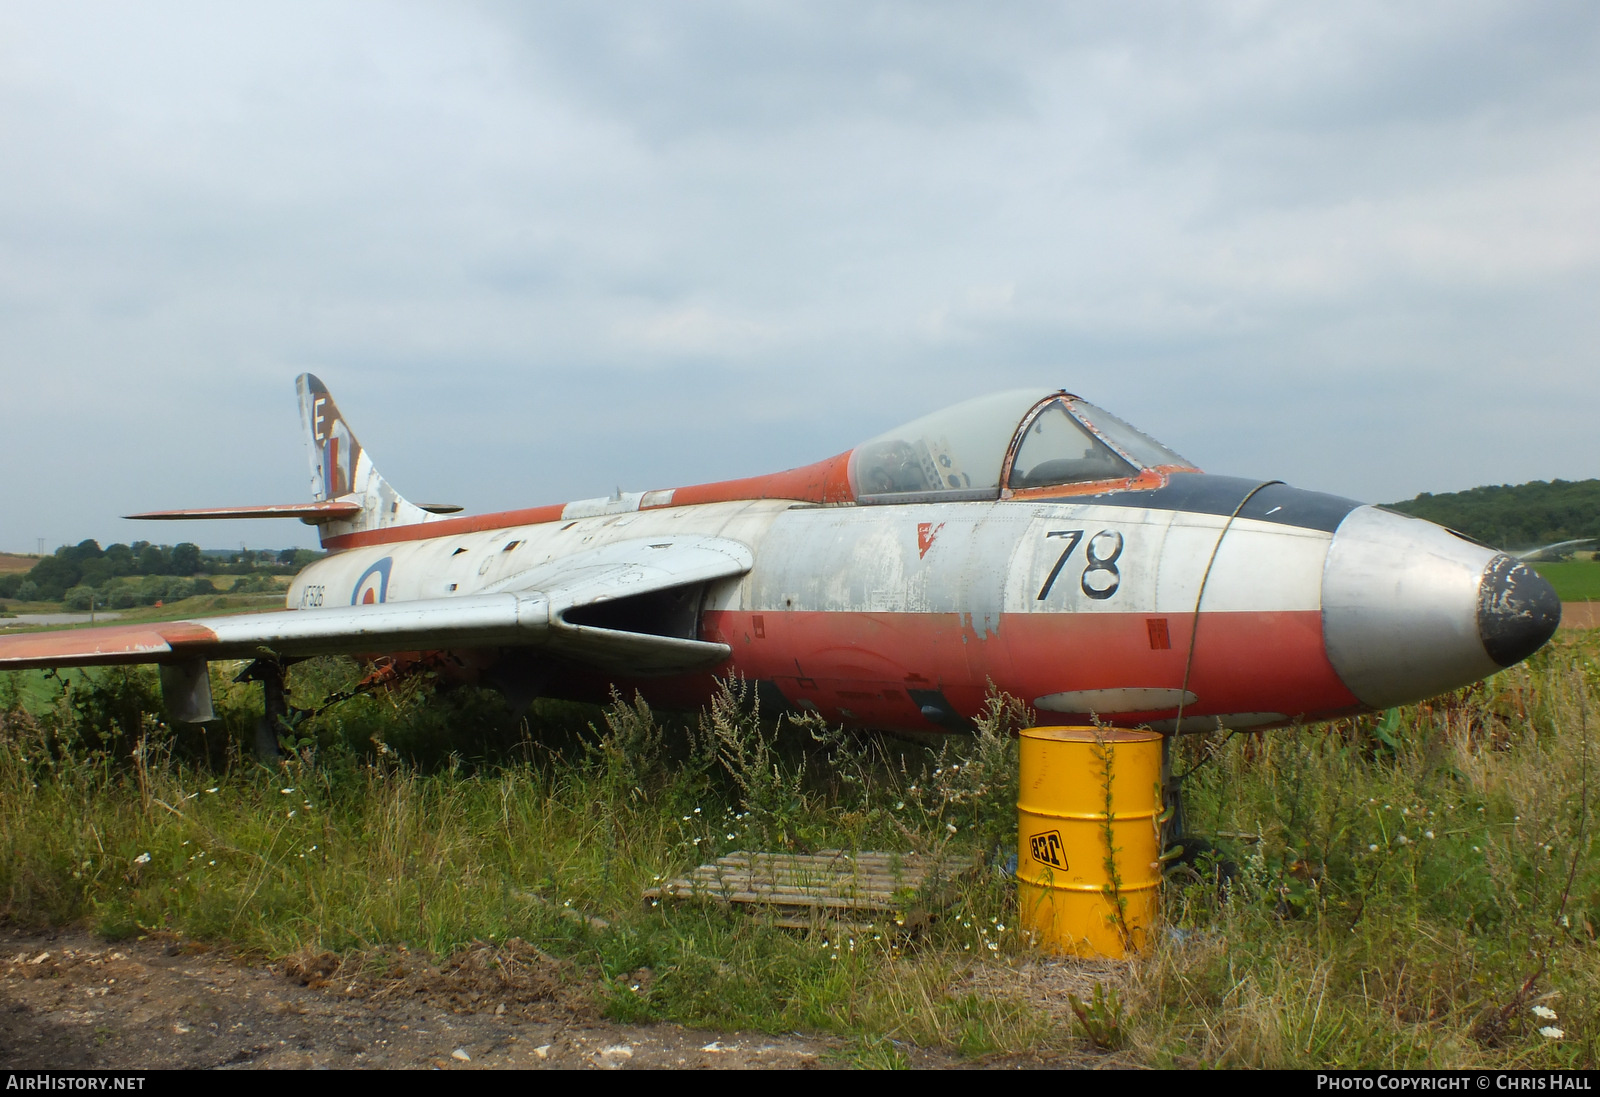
[1414,889]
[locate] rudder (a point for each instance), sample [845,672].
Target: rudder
[342,471]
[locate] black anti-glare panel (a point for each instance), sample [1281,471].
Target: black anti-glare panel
[1203,493]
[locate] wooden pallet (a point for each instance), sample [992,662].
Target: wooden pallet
[802,890]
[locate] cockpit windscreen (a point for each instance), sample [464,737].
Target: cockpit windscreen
[1056,449]
[1138,445]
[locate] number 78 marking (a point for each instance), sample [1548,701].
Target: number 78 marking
[1073,536]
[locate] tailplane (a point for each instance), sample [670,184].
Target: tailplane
[349,495]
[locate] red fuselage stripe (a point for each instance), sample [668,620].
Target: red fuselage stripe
[824,482]
[867,662]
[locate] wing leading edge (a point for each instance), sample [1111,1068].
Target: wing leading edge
[610,608]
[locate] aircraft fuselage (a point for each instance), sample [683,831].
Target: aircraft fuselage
[1288,605]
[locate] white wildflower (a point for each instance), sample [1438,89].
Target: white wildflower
[1372,847]
[1544,1013]
[142,859]
[1551,1032]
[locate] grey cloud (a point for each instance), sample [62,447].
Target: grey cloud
[540,251]
[685,70]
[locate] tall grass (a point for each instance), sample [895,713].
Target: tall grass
[1400,890]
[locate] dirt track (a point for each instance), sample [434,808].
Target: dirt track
[71,1001]
[1580,614]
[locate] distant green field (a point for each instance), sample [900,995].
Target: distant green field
[1574,580]
[203,605]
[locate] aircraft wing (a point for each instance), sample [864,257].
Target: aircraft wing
[628,607]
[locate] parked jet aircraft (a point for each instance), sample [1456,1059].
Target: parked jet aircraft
[1027,541]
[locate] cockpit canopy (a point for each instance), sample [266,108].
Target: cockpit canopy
[1024,439]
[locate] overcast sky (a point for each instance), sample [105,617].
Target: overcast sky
[541,251]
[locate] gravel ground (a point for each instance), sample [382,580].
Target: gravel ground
[71,1001]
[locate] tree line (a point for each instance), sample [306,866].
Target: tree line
[1515,517]
[142,573]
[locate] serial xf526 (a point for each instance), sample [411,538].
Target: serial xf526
[1026,541]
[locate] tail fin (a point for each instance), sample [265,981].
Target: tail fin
[341,471]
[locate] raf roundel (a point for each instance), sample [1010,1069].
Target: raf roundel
[373,586]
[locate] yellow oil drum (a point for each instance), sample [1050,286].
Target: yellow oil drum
[1068,899]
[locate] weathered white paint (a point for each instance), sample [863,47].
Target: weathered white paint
[980,559]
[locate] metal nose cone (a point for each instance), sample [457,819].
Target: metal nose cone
[1517,610]
[1403,608]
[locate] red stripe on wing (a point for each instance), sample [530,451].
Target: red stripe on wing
[105,646]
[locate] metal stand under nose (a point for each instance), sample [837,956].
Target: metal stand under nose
[1175,826]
